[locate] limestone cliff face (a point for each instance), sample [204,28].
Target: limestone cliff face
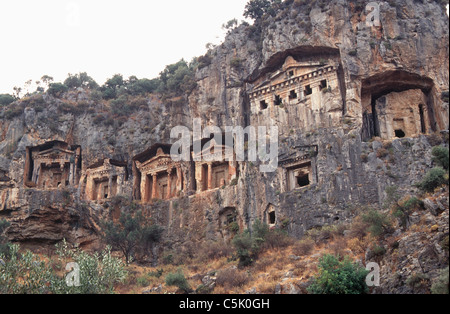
[357,102]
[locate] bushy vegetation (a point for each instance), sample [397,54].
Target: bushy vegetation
[27,273]
[441,286]
[99,272]
[249,244]
[179,280]
[256,9]
[440,156]
[57,89]
[80,80]
[4,248]
[433,179]
[6,99]
[337,276]
[379,223]
[132,235]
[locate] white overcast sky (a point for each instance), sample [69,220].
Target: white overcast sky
[105,37]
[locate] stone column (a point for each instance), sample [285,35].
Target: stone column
[209,184]
[154,186]
[169,183]
[36,173]
[179,184]
[144,194]
[110,186]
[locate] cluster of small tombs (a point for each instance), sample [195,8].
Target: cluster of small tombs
[56,164]
[156,176]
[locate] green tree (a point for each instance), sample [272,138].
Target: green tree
[142,86]
[441,285]
[248,244]
[339,277]
[57,89]
[433,179]
[111,87]
[256,9]
[6,99]
[80,80]
[177,78]
[379,223]
[130,234]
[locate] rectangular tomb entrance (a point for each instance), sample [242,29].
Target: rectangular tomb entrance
[105,179]
[157,176]
[54,164]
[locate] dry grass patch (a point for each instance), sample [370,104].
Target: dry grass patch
[232,278]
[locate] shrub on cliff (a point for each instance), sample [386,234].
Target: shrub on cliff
[441,156]
[6,99]
[80,80]
[339,277]
[378,222]
[256,9]
[248,245]
[57,89]
[433,179]
[177,79]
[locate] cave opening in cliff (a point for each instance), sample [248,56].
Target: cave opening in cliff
[323,84]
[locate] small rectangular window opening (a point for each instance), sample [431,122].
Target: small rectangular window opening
[308,90]
[293,95]
[263,105]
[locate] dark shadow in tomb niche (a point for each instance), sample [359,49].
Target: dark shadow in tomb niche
[375,88]
[278,101]
[423,127]
[272,218]
[293,94]
[308,90]
[400,133]
[303,180]
[263,105]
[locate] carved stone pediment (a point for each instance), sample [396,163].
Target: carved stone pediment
[157,164]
